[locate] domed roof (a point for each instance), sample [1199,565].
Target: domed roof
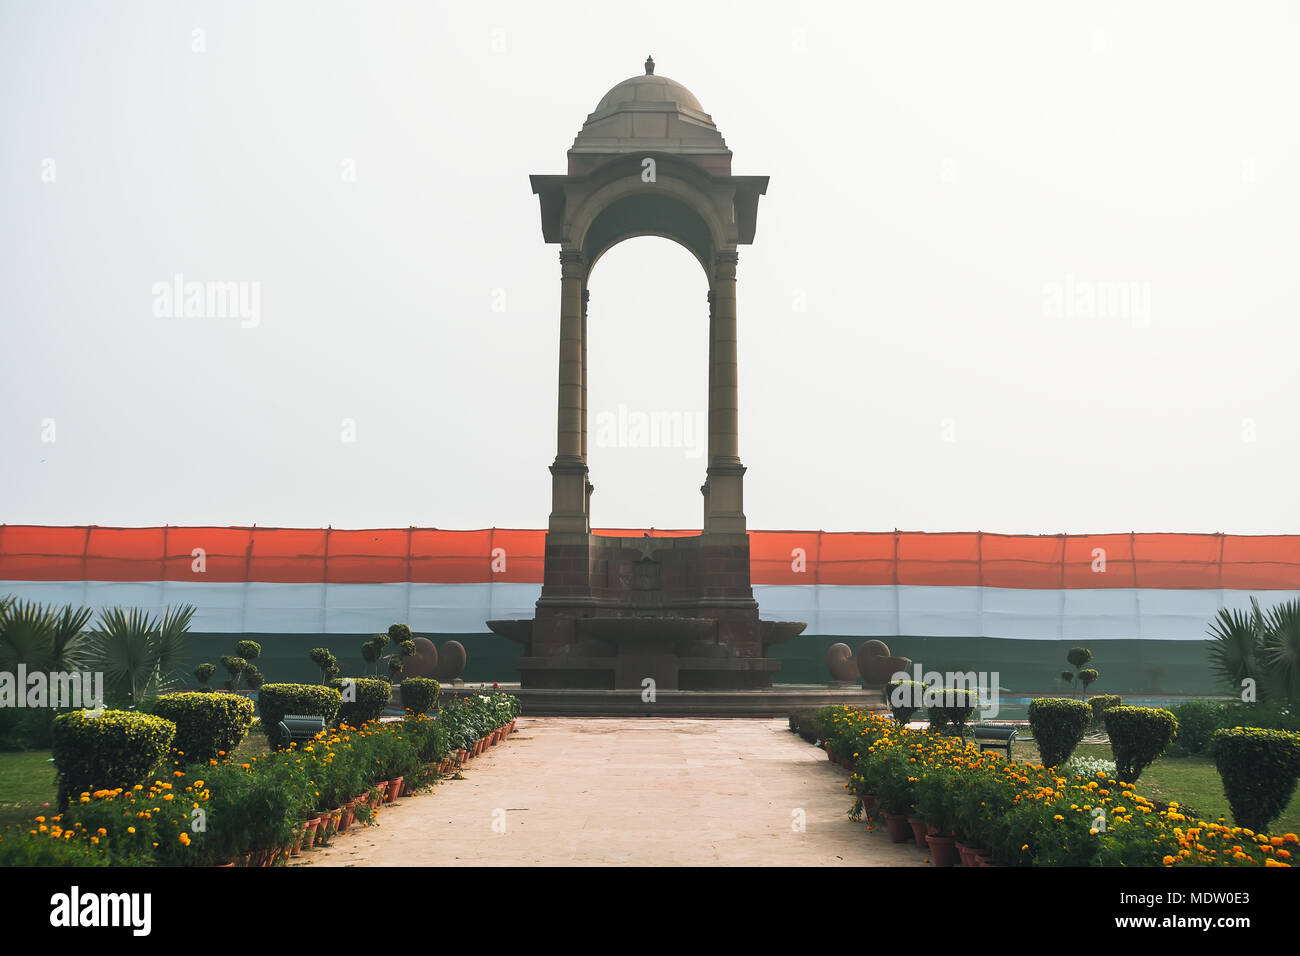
[649,112]
[649,89]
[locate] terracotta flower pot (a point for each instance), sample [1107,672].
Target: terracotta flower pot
[394,789]
[899,831]
[870,802]
[309,832]
[377,794]
[983,859]
[918,831]
[968,854]
[349,810]
[296,849]
[336,818]
[942,851]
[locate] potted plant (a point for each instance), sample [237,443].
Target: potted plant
[936,792]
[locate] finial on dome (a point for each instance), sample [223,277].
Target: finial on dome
[649,66]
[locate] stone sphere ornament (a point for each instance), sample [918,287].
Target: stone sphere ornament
[875,664]
[424,662]
[451,661]
[839,661]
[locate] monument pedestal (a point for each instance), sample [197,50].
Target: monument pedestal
[678,611]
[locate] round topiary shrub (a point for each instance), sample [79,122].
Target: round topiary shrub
[1058,724]
[370,696]
[1101,703]
[904,698]
[952,705]
[1259,769]
[1138,735]
[206,724]
[107,750]
[420,695]
[274,701]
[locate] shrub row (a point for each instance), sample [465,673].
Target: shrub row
[1024,814]
[121,814]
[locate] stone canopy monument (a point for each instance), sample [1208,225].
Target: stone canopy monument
[677,610]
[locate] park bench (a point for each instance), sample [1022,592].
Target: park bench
[994,737]
[299,728]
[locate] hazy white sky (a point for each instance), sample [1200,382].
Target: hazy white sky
[1022,267]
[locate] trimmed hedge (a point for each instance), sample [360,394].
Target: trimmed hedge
[274,701]
[807,724]
[954,706]
[1198,721]
[1259,769]
[117,748]
[1058,724]
[904,698]
[1138,735]
[206,723]
[1101,703]
[372,696]
[420,695]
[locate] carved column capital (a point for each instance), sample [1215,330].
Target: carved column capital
[724,264]
[571,264]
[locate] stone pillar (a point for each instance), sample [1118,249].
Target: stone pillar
[586,504]
[724,501]
[569,472]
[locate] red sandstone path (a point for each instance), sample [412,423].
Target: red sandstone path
[617,791]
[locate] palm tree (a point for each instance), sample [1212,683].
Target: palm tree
[1280,650]
[44,638]
[139,654]
[1236,638]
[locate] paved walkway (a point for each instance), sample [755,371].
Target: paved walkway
[639,791]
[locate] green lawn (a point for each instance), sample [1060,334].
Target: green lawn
[27,781]
[1192,781]
[26,785]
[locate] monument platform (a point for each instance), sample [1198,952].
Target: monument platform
[778,700]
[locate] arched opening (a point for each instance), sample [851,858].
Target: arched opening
[647,385]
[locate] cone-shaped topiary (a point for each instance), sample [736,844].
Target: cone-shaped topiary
[1259,769]
[904,698]
[1138,735]
[1058,724]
